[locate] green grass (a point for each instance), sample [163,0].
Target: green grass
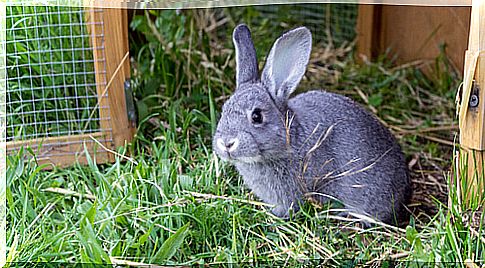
[174,202]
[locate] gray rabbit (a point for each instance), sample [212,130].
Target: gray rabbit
[316,145]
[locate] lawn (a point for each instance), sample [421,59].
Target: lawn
[174,202]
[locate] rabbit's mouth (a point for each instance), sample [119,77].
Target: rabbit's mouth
[247,159]
[232,150]
[240,159]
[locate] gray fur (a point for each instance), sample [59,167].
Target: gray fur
[245,55]
[315,144]
[286,63]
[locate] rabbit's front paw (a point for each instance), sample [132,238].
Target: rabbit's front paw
[282,211]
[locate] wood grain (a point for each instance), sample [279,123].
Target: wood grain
[415,33]
[65,150]
[116,49]
[94,18]
[472,127]
[112,67]
[368,27]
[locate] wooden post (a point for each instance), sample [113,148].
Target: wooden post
[472,113]
[117,71]
[112,66]
[368,27]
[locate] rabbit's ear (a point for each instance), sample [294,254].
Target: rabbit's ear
[246,61]
[286,62]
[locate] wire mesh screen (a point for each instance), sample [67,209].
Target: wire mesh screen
[328,22]
[51,75]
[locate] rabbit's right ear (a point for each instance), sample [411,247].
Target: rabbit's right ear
[246,61]
[286,63]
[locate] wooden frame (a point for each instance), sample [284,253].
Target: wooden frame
[115,43]
[112,68]
[472,113]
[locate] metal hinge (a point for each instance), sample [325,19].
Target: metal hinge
[130,104]
[474,99]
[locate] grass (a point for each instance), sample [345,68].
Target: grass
[175,203]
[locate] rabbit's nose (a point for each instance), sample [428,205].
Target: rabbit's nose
[227,146]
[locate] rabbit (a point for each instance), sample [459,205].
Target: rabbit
[316,145]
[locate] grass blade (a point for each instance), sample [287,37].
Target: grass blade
[171,245]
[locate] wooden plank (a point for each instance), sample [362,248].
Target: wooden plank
[472,117]
[113,68]
[368,28]
[415,33]
[125,40]
[117,70]
[65,150]
[96,31]
[94,18]
[472,128]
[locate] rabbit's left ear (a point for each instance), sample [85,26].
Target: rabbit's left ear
[246,61]
[286,63]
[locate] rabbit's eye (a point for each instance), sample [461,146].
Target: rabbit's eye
[257,116]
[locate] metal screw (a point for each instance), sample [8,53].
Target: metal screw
[473,101]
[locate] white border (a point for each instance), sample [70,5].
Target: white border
[3,127]
[136,4]
[177,4]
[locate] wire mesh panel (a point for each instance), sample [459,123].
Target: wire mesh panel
[56,76]
[328,22]
[51,87]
